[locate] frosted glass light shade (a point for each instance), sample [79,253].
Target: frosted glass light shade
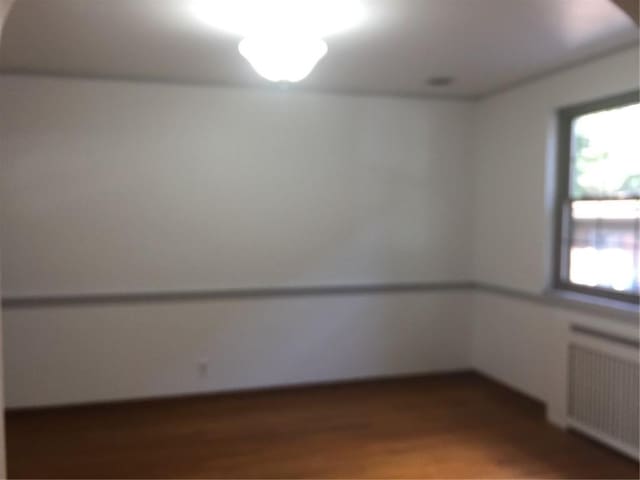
[283,58]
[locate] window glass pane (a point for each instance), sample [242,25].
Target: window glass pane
[605,154]
[604,244]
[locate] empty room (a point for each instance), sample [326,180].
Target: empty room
[319,239]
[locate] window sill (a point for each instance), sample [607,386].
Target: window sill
[594,304]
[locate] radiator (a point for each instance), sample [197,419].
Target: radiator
[603,391]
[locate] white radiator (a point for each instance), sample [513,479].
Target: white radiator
[603,389]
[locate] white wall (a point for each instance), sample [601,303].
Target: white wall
[84,353]
[78,354]
[119,186]
[516,341]
[513,168]
[5,6]
[524,345]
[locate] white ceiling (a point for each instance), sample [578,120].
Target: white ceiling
[485,44]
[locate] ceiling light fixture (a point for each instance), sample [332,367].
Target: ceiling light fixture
[282,60]
[283,39]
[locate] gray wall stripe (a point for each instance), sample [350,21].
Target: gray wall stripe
[626,312]
[173,296]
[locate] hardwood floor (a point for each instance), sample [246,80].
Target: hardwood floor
[454,426]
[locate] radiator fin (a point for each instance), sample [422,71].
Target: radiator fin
[603,394]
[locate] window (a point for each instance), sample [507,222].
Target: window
[598,199]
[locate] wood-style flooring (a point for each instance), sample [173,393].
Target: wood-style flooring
[451,426]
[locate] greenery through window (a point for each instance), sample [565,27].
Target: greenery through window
[599,199]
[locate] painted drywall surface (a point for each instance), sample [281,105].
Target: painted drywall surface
[116,186]
[5,6]
[524,345]
[520,343]
[513,168]
[121,186]
[75,354]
